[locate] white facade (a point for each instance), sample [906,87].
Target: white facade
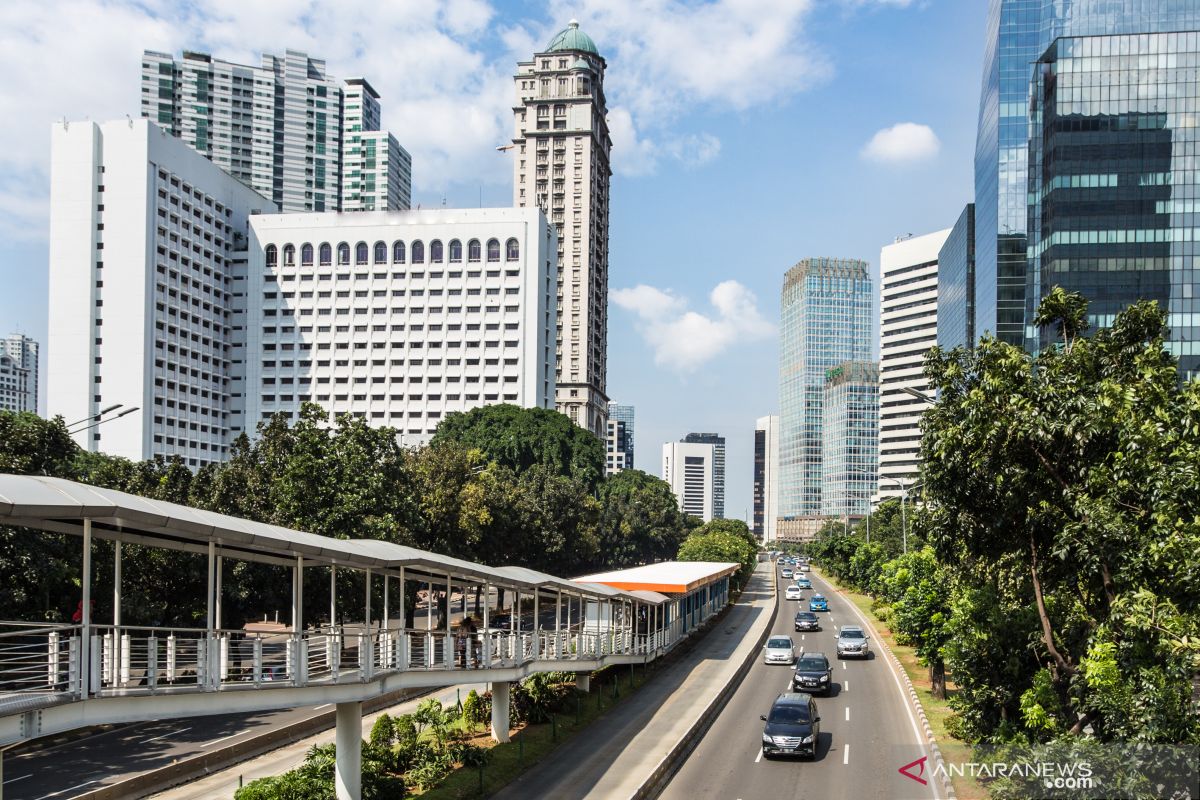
[688,467]
[146,237]
[561,164]
[19,386]
[908,328]
[376,170]
[766,477]
[399,317]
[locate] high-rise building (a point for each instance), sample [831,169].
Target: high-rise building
[147,246]
[718,443]
[620,438]
[1018,33]
[19,391]
[850,433]
[766,477]
[1113,181]
[956,284]
[399,318]
[560,152]
[285,128]
[826,320]
[688,467]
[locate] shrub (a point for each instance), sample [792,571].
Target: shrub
[473,710]
[383,732]
[404,729]
[468,755]
[289,786]
[429,771]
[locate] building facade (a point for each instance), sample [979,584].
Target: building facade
[718,443]
[399,318]
[826,320]
[619,445]
[688,467]
[956,284]
[19,389]
[766,478]
[850,438]
[1113,184]
[285,128]
[560,151]
[147,242]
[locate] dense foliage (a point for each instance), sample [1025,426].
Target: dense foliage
[728,540]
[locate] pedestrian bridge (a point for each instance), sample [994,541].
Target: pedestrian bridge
[56,677]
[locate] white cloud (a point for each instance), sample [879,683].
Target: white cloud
[903,142]
[635,155]
[684,340]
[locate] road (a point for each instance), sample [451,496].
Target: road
[868,730]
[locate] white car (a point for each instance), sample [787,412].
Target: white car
[779,650]
[804,568]
[792,593]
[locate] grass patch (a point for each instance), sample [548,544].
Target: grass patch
[937,711]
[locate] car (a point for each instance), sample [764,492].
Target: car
[813,674]
[803,583]
[779,650]
[792,592]
[807,621]
[787,572]
[792,726]
[818,603]
[852,641]
[805,568]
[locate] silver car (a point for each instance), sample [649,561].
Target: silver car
[852,641]
[779,650]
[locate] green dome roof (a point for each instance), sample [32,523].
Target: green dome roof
[571,38]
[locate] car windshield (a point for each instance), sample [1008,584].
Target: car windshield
[811,663]
[806,615]
[818,597]
[851,633]
[779,643]
[788,712]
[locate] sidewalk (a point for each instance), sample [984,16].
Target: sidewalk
[627,748]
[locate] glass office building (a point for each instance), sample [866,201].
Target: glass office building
[956,284]
[1114,192]
[825,321]
[1018,33]
[850,439]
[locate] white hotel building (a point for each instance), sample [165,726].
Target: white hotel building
[690,468]
[400,317]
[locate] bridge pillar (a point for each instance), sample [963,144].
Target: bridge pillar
[348,777]
[500,722]
[583,681]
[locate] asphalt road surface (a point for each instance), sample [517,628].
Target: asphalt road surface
[868,730]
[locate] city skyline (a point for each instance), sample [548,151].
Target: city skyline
[720,128]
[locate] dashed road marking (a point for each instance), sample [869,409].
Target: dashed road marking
[14,780]
[847,713]
[845,754]
[846,685]
[843,665]
[165,735]
[758,757]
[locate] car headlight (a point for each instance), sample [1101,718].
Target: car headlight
[767,739]
[824,678]
[806,740]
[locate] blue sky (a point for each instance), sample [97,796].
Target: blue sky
[748,134]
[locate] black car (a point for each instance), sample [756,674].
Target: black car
[807,621]
[813,674]
[793,726]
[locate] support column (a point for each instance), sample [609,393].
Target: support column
[85,646]
[348,775]
[583,681]
[217,595]
[116,634]
[332,598]
[500,711]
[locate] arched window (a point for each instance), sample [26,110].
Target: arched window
[418,252]
[360,253]
[493,250]
[326,253]
[272,255]
[380,253]
[455,251]
[512,250]
[289,255]
[306,254]
[473,250]
[398,253]
[343,254]
[435,251]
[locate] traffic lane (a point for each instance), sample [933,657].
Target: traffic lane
[83,765]
[863,729]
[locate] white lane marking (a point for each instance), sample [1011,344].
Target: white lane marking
[64,791]
[846,685]
[14,780]
[223,739]
[843,665]
[802,637]
[165,735]
[318,708]
[847,713]
[845,754]
[758,757]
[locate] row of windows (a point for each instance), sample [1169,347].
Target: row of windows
[364,254]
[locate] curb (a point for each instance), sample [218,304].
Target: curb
[202,764]
[671,763]
[931,740]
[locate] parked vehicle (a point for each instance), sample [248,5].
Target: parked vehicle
[792,726]
[779,650]
[852,641]
[813,674]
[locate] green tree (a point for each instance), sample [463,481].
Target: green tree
[919,589]
[30,445]
[721,546]
[640,520]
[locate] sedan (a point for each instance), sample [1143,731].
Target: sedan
[792,592]
[818,603]
[779,650]
[813,674]
[803,583]
[787,572]
[807,621]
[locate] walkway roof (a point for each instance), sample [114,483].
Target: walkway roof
[671,577]
[55,504]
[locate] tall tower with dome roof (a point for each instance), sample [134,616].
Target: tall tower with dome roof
[561,164]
